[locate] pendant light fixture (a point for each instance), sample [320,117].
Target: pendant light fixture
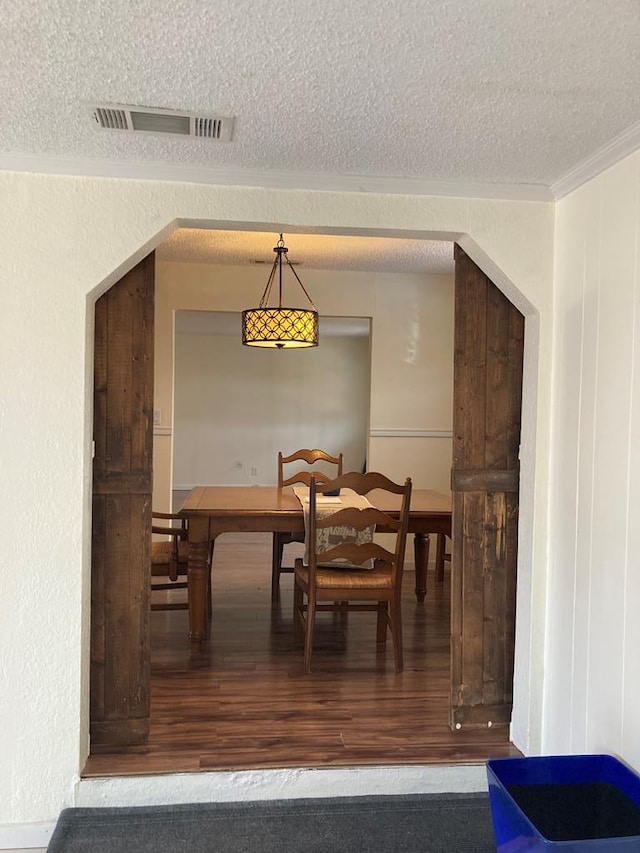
[280,328]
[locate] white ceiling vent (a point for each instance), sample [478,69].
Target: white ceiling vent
[147,120]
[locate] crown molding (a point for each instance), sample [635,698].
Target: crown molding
[624,144]
[154,171]
[610,154]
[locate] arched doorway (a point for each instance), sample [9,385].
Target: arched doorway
[485,512]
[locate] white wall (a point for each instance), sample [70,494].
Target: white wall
[63,242]
[411,363]
[592,688]
[237,406]
[412,380]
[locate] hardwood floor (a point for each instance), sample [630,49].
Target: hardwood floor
[244,701]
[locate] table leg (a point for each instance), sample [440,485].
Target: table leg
[421,543]
[198,587]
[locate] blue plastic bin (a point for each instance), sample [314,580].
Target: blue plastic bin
[567,803]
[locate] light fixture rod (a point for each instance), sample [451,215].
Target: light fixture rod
[264,299]
[280,248]
[304,289]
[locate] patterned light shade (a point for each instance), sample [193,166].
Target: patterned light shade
[280,328]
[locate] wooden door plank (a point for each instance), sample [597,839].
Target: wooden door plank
[119,378]
[493,570]
[98,630]
[121,536]
[141,412]
[473,598]
[488,348]
[497,385]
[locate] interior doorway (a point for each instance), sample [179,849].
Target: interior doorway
[474,614]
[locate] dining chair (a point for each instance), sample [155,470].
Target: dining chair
[442,555]
[169,559]
[345,569]
[297,468]
[169,562]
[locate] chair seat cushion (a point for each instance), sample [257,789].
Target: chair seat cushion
[330,578]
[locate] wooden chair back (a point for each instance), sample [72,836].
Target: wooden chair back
[369,575]
[305,462]
[359,554]
[311,459]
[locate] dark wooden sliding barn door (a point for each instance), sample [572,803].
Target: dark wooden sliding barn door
[121,532]
[489,339]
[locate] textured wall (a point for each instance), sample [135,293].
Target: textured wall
[63,242]
[237,406]
[592,689]
[411,360]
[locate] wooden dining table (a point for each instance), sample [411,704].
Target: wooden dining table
[212,510]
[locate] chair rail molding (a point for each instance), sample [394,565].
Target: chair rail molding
[410,433]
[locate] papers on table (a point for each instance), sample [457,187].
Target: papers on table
[333,535]
[302,493]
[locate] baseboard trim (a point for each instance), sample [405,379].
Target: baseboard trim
[26,836]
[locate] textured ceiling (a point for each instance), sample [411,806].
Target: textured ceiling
[314,251]
[496,97]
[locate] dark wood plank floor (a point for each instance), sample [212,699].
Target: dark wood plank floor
[244,701]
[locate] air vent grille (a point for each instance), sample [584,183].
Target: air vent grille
[110,118]
[160,123]
[146,120]
[209,128]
